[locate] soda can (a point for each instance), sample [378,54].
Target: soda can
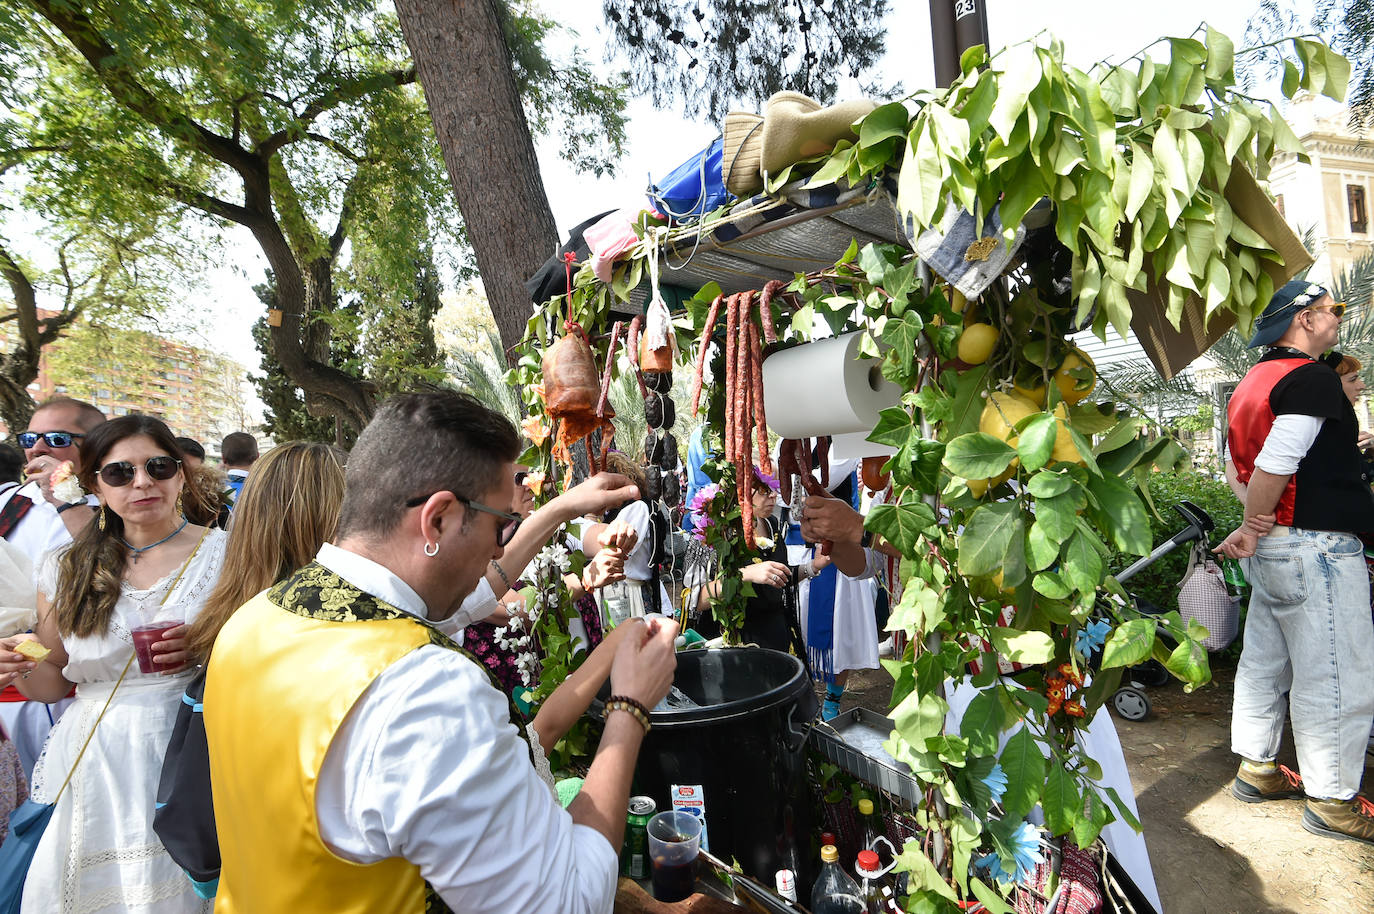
[634,853]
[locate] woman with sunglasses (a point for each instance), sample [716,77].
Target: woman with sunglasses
[141,562]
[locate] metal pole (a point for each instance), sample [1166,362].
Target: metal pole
[943,42]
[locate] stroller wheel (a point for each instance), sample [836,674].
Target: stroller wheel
[1131,703]
[1150,673]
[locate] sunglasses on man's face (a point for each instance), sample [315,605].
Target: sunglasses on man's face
[503,536]
[1338,309]
[121,472]
[55,439]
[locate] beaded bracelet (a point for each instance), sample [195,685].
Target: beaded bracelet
[630,705]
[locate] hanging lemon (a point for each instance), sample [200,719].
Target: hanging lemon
[976,343]
[1075,377]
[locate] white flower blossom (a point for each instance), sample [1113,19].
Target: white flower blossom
[764,543]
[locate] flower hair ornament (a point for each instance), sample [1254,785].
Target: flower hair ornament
[770,481]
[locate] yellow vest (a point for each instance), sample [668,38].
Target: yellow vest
[277,688]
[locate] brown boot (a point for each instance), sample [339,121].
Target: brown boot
[1345,820]
[1283,783]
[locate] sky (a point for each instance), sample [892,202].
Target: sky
[660,140]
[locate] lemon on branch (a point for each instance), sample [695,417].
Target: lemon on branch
[976,343]
[999,419]
[1075,377]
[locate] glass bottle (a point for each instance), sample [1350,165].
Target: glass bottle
[835,892]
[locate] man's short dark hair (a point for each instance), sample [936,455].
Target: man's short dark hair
[418,444]
[88,416]
[11,462]
[191,447]
[238,449]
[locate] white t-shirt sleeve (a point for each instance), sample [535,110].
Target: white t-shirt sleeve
[636,514]
[428,767]
[1289,440]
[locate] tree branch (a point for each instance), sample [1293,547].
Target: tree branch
[345,91]
[124,86]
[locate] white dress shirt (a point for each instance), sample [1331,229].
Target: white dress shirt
[428,767]
[41,529]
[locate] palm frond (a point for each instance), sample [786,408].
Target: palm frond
[483,375]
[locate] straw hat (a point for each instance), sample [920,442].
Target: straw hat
[739,165]
[793,127]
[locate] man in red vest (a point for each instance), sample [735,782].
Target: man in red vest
[1292,433]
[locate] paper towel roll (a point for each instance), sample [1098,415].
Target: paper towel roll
[827,388]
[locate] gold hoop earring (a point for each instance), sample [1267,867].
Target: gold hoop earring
[434,553]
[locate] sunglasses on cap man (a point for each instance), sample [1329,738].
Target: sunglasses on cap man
[28,440]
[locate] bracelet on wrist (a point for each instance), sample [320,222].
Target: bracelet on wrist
[70,505]
[630,706]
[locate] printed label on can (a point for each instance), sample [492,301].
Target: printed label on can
[691,798]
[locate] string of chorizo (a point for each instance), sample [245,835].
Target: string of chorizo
[756,385]
[712,315]
[731,356]
[606,375]
[770,289]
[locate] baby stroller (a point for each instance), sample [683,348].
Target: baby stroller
[1130,700]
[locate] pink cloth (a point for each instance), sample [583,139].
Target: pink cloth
[609,240]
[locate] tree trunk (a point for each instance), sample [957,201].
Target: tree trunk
[464,65]
[19,366]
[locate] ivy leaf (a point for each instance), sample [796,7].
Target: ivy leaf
[924,457]
[1129,644]
[902,336]
[901,524]
[978,455]
[1120,512]
[1024,767]
[895,427]
[1060,801]
[983,722]
[1023,647]
[902,680]
[991,533]
[1036,441]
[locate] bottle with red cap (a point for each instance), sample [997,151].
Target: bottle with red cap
[877,897]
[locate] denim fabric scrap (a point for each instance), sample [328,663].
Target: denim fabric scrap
[961,254]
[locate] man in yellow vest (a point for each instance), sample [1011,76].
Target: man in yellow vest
[360,761]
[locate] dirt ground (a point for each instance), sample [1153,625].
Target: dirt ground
[1211,853]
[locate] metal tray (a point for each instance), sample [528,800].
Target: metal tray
[854,742]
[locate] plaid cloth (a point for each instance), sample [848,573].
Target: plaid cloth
[1079,893]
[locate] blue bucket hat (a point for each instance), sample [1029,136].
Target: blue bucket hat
[1294,296]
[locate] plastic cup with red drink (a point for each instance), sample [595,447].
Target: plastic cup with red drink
[145,636]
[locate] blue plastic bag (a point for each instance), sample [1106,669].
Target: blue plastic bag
[27,823]
[694,188]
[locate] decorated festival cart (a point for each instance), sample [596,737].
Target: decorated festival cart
[907,296]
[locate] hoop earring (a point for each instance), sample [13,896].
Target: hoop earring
[434,553]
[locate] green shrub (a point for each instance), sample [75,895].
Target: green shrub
[1159,582]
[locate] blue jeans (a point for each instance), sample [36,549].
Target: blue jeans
[1309,633]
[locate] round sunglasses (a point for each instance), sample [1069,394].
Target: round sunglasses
[121,472]
[54,439]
